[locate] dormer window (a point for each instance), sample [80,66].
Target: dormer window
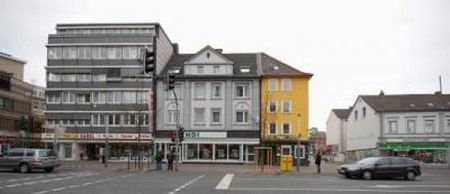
[275,67]
[245,69]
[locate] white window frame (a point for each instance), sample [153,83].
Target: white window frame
[213,90]
[270,106]
[245,115]
[269,127]
[286,147]
[289,125]
[302,147]
[290,106]
[391,130]
[414,125]
[213,110]
[245,88]
[273,84]
[285,86]
[199,122]
[448,124]
[197,92]
[425,122]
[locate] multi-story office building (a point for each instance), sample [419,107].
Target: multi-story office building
[284,108]
[218,106]
[95,84]
[15,103]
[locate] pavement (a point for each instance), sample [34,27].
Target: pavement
[88,177]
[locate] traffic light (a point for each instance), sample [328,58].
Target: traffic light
[149,62]
[181,134]
[173,136]
[170,81]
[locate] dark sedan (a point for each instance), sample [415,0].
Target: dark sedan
[369,168]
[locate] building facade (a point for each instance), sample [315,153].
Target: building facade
[337,133]
[218,105]
[95,85]
[15,103]
[415,126]
[284,108]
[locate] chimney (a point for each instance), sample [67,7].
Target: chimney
[175,48]
[219,50]
[381,93]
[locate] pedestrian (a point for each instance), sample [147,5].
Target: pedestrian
[159,158]
[170,159]
[318,161]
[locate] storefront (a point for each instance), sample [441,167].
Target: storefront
[207,147]
[89,146]
[434,153]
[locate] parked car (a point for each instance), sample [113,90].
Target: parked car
[26,159]
[390,166]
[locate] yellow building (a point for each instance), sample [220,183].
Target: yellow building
[284,108]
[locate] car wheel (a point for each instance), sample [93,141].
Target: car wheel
[24,168]
[49,169]
[410,175]
[367,175]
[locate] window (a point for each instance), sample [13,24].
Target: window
[286,128]
[242,116]
[68,97]
[98,77]
[429,125]
[83,98]
[114,53]
[131,52]
[216,90]
[199,90]
[215,114]
[245,69]
[287,106]
[287,84]
[272,128]
[356,115]
[242,90]
[199,115]
[129,97]
[52,77]
[173,116]
[200,69]
[68,77]
[99,52]
[84,52]
[410,126]
[448,125]
[216,69]
[393,125]
[273,83]
[299,151]
[54,53]
[273,106]
[285,150]
[364,112]
[84,77]
[69,52]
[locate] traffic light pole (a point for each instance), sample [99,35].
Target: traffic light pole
[177,139]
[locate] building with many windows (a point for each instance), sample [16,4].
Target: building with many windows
[284,108]
[95,85]
[416,126]
[218,104]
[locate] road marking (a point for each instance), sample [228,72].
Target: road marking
[14,185]
[30,183]
[40,192]
[421,186]
[224,184]
[336,190]
[186,184]
[88,183]
[13,180]
[59,189]
[73,186]
[27,179]
[44,181]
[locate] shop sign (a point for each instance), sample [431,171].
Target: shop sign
[416,147]
[198,135]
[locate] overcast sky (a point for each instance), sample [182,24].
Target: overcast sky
[351,47]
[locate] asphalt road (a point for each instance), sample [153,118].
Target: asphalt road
[164,182]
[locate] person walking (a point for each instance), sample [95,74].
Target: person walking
[159,158]
[318,161]
[170,159]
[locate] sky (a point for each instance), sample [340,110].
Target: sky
[352,47]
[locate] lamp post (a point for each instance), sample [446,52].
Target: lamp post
[298,142]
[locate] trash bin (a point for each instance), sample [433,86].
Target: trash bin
[286,163]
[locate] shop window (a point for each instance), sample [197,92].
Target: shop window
[221,152]
[205,151]
[234,152]
[192,151]
[285,150]
[299,151]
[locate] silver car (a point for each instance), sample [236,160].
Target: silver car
[26,159]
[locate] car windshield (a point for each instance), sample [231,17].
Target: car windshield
[47,153]
[368,161]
